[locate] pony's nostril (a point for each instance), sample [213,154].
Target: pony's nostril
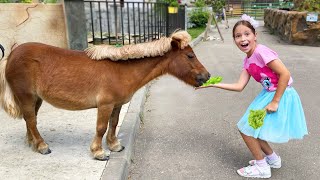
[209,75]
[202,78]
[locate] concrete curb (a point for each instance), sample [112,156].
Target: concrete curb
[117,167]
[195,41]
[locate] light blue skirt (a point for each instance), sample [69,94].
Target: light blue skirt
[288,122]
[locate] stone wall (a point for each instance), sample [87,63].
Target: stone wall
[292,26]
[20,23]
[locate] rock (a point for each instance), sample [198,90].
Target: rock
[292,27]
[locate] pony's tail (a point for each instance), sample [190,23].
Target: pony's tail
[7,100]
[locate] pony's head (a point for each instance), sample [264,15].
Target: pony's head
[183,62]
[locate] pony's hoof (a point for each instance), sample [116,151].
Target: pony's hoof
[121,149]
[43,148]
[117,149]
[45,151]
[101,156]
[105,158]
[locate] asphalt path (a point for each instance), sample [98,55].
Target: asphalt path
[192,134]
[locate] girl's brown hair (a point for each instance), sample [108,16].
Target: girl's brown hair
[245,23]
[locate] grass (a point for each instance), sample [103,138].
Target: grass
[195,32]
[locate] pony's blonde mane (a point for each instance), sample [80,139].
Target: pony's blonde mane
[149,49]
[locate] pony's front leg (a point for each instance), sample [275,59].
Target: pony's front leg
[98,152]
[112,140]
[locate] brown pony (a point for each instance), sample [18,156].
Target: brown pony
[71,80]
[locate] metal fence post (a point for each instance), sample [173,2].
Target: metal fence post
[76,24]
[167,20]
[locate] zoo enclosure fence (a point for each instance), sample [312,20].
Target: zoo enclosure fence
[110,22]
[254,9]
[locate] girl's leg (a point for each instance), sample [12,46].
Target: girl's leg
[254,146]
[265,147]
[260,169]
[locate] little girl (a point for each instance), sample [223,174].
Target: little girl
[285,118]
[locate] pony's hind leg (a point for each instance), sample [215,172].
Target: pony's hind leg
[34,137]
[98,152]
[29,138]
[22,84]
[112,140]
[30,107]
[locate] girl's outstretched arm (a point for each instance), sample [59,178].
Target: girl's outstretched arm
[284,76]
[239,86]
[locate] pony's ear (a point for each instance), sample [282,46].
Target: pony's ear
[175,43]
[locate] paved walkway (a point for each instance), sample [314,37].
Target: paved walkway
[190,134]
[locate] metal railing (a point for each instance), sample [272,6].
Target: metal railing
[110,22]
[256,10]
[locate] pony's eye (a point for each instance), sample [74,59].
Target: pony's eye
[190,55]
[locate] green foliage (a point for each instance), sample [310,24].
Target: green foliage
[216,5]
[199,16]
[195,32]
[213,80]
[310,5]
[4,1]
[26,1]
[200,3]
[172,3]
[256,118]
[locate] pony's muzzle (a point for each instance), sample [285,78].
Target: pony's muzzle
[202,78]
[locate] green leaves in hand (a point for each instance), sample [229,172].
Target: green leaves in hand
[213,80]
[256,118]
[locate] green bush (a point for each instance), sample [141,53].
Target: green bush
[199,17]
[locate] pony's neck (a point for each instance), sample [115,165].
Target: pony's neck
[147,69]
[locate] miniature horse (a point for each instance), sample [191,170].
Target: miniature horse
[71,80]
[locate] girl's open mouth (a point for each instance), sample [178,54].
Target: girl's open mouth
[244,45]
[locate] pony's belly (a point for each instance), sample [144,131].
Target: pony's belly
[70,104]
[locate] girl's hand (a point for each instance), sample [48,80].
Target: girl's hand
[272,107]
[201,87]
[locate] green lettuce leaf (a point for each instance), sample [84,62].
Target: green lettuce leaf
[213,80]
[256,118]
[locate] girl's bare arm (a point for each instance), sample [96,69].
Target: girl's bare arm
[239,86]
[284,76]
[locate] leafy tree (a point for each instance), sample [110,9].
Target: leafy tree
[216,5]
